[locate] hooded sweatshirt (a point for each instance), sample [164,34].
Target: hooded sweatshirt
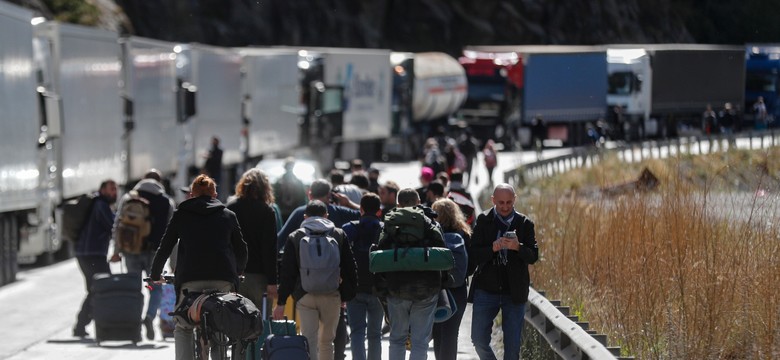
[289,273]
[210,243]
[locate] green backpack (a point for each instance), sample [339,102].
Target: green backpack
[406,226]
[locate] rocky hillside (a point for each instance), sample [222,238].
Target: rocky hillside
[419,25]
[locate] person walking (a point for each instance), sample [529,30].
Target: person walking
[211,252]
[365,310]
[318,270]
[491,158]
[412,295]
[252,206]
[502,246]
[92,248]
[457,235]
[290,192]
[321,190]
[213,164]
[388,194]
[161,207]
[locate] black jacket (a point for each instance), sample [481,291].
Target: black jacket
[289,271]
[415,285]
[210,243]
[258,227]
[495,278]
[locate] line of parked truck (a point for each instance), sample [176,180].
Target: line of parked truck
[79,105]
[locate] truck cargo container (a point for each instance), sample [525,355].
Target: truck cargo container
[762,77]
[20,173]
[564,86]
[215,74]
[427,89]
[150,94]
[663,89]
[271,95]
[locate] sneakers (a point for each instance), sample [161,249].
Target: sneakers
[80,332]
[148,324]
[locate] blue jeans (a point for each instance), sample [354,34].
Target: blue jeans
[485,308]
[365,306]
[138,263]
[413,319]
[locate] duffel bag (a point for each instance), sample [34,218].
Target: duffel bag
[411,259]
[231,314]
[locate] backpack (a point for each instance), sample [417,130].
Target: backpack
[229,313]
[365,237]
[457,246]
[319,260]
[134,224]
[406,226]
[75,213]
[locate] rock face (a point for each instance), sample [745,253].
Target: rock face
[407,25]
[404,25]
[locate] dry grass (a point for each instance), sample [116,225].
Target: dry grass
[691,271]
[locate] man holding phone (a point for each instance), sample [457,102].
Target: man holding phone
[502,247]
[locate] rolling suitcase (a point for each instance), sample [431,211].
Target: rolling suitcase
[274,327]
[117,307]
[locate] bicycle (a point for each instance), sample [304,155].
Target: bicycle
[204,336]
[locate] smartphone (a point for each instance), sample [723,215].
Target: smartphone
[511,234]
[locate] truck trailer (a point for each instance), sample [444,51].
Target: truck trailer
[563,87]
[762,78]
[21,179]
[662,90]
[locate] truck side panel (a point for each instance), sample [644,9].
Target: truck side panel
[151,84]
[566,87]
[217,75]
[19,114]
[88,82]
[439,86]
[688,80]
[367,80]
[271,83]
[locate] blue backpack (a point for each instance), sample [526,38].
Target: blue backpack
[457,246]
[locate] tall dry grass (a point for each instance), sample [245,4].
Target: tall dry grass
[690,271]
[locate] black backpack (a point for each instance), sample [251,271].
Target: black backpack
[363,242]
[229,313]
[75,213]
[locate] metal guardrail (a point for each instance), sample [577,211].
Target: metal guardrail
[632,152]
[567,337]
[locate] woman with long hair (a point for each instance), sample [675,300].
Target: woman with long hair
[456,231]
[252,205]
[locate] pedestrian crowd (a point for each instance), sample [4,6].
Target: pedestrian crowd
[309,249]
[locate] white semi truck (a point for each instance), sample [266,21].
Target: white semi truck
[663,89]
[22,216]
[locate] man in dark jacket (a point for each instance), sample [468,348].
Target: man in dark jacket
[319,311]
[320,190]
[412,295]
[365,311]
[161,208]
[92,248]
[211,251]
[501,280]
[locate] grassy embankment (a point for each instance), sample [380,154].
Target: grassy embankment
[688,271]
